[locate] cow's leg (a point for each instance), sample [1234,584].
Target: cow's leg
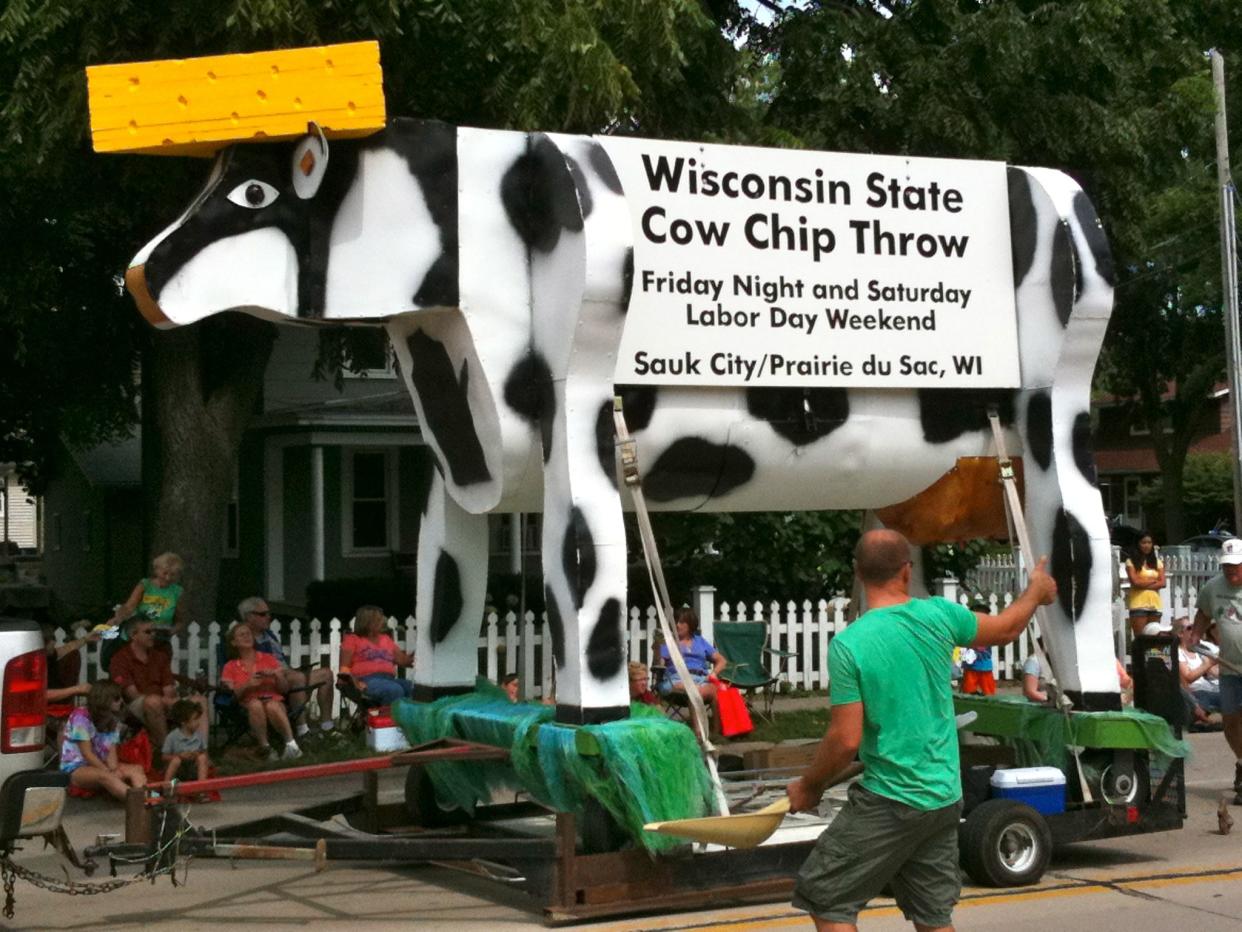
[444,378]
[452,584]
[577,287]
[1063,276]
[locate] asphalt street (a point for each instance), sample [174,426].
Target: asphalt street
[1185,879]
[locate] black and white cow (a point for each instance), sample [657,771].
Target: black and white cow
[500,264]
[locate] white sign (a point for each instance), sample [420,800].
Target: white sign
[785,267]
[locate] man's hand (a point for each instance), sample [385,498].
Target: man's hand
[803,797]
[1040,585]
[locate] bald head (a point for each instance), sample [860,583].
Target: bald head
[880,556]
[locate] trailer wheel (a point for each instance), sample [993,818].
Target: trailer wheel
[1005,843]
[600,832]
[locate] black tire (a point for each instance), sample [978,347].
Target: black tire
[1005,843]
[600,832]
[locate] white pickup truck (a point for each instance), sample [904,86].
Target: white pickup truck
[32,800]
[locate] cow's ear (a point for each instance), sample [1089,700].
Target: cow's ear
[310,162]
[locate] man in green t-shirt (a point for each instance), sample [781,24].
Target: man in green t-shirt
[1220,604]
[892,704]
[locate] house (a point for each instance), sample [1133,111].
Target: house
[327,487]
[1124,458]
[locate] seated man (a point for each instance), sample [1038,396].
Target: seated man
[255,615]
[145,676]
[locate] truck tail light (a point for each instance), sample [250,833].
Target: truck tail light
[24,703]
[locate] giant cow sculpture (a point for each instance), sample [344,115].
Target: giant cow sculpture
[501,263]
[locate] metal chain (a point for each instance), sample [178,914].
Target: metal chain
[9,870]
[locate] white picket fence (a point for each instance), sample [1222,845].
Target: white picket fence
[803,629]
[1184,573]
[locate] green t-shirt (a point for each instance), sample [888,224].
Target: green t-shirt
[159,605]
[1223,604]
[898,661]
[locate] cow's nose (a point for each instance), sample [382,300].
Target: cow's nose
[136,283]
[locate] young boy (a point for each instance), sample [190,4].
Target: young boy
[185,742]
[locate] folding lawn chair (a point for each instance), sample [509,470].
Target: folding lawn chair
[745,647]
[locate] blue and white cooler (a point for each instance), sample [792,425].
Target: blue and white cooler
[1041,788]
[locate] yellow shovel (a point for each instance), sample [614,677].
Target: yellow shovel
[743,830]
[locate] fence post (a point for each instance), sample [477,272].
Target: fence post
[945,587]
[703,598]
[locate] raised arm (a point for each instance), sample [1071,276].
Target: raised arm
[1040,589]
[131,605]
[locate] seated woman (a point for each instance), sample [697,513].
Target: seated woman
[257,680]
[369,657]
[1200,676]
[703,661]
[640,684]
[88,753]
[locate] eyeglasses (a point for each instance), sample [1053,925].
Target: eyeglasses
[263,614]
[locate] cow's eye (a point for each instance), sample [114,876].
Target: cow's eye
[253,194]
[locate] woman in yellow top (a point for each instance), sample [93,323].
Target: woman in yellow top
[1146,572]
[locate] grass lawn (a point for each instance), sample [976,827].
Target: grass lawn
[317,748]
[798,723]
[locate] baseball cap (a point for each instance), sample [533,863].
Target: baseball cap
[1231,551]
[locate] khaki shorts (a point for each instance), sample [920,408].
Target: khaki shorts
[135,707]
[875,843]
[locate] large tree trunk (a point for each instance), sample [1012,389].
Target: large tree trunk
[200,386]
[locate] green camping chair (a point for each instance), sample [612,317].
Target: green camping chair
[745,646]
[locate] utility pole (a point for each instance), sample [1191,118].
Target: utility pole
[1229,283]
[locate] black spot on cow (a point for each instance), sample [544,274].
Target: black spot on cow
[627,279]
[1065,275]
[556,628]
[696,468]
[424,476]
[446,409]
[1023,232]
[539,196]
[1070,563]
[446,597]
[430,150]
[605,650]
[1084,459]
[1039,429]
[1097,241]
[603,167]
[800,415]
[947,413]
[439,285]
[606,442]
[585,202]
[638,402]
[529,392]
[578,556]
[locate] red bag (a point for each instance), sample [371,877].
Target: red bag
[734,716]
[137,750]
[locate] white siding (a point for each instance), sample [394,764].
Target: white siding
[23,514]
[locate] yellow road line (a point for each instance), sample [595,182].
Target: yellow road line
[1071,886]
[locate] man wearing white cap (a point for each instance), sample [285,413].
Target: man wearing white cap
[1220,604]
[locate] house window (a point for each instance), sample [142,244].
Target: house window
[231,520]
[372,355]
[370,506]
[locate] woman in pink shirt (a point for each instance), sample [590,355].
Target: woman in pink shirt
[257,682]
[370,658]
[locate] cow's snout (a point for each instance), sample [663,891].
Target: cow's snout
[136,284]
